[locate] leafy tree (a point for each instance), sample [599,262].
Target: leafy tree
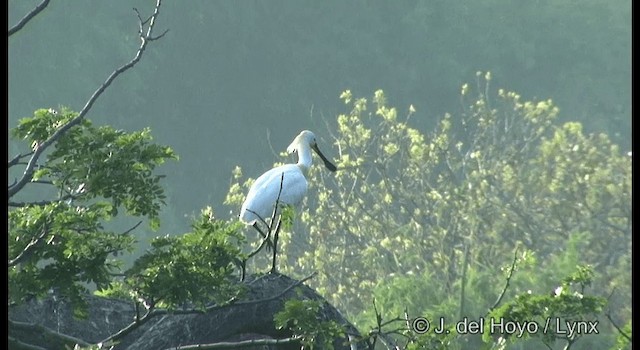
[567,314]
[445,209]
[302,317]
[62,242]
[194,268]
[77,177]
[88,173]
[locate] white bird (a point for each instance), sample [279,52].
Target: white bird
[259,204]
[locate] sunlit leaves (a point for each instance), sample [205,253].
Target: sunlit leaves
[302,317]
[491,178]
[42,125]
[499,174]
[112,164]
[196,267]
[566,303]
[59,242]
[62,247]
[346,96]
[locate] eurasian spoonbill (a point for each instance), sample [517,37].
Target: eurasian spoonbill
[289,181]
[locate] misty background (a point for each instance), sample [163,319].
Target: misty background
[232,83]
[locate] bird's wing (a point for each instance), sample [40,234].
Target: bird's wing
[264,192]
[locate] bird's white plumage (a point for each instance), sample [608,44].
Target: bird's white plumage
[263,194]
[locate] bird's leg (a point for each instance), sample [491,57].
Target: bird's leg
[265,236]
[264,241]
[275,243]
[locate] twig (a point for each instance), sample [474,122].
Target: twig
[628,337]
[277,231]
[29,247]
[463,283]
[266,237]
[67,339]
[506,285]
[264,241]
[250,302]
[16,160]
[28,17]
[131,229]
[241,344]
[42,203]
[21,345]
[40,148]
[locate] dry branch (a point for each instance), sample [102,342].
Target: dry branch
[29,16]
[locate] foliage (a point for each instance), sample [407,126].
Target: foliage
[622,341]
[61,247]
[554,314]
[301,317]
[60,241]
[408,208]
[92,162]
[196,267]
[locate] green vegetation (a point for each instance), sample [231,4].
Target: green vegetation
[196,267]
[60,241]
[456,201]
[301,316]
[422,222]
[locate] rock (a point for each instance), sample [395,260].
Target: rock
[250,318]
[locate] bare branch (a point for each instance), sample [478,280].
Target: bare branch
[63,338]
[249,302]
[28,17]
[40,148]
[44,182]
[152,38]
[264,241]
[241,344]
[16,160]
[20,345]
[131,229]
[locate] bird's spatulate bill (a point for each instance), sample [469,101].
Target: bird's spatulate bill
[326,161]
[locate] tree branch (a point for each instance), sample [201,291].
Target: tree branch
[15,343]
[28,17]
[240,344]
[42,203]
[506,285]
[40,148]
[627,336]
[16,160]
[231,303]
[49,333]
[131,229]
[24,253]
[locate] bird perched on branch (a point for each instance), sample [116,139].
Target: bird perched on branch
[283,185]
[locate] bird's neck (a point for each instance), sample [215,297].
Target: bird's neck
[304,159]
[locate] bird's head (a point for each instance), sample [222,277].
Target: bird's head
[306,139]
